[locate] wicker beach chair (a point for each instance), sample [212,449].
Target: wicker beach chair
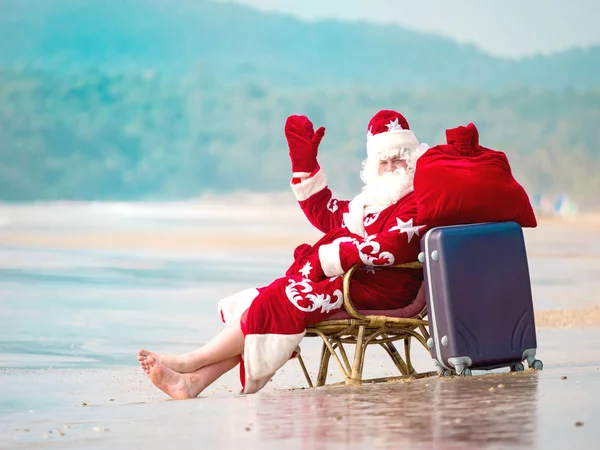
[365,328]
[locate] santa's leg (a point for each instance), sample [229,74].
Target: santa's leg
[229,342]
[275,323]
[187,385]
[230,308]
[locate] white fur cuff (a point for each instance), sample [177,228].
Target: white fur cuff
[264,354]
[310,186]
[329,256]
[232,307]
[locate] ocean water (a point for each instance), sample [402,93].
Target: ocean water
[61,307]
[65,308]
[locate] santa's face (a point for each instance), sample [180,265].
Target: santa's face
[394,179]
[391,165]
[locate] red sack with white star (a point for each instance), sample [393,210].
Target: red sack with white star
[462,182]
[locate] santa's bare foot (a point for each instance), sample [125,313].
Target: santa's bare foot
[179,363]
[175,385]
[145,366]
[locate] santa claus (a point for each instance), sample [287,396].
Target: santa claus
[375,229]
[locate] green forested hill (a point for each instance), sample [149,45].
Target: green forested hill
[98,136]
[135,99]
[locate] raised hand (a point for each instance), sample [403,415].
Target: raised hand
[303,144]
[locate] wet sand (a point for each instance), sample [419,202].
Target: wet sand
[552,408]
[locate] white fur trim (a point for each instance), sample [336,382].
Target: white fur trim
[390,140]
[264,354]
[354,219]
[253,386]
[329,256]
[232,307]
[301,174]
[310,186]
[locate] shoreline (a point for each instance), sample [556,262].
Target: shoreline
[159,240]
[541,242]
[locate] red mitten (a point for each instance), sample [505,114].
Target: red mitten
[303,144]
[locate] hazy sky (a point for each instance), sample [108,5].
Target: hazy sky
[501,27]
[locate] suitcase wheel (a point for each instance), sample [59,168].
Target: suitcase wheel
[446,373]
[536,365]
[519,367]
[466,372]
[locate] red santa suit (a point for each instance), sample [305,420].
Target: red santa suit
[274,318]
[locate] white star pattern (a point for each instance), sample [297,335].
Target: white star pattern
[394,125]
[407,227]
[305,271]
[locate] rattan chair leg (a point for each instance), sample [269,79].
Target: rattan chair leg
[303,366]
[331,352]
[323,365]
[356,377]
[409,365]
[344,355]
[392,356]
[424,332]
[362,359]
[418,337]
[395,357]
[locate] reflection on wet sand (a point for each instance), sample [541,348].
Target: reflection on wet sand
[424,412]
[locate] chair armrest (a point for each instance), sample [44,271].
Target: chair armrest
[348,305]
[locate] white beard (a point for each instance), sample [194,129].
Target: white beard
[387,188]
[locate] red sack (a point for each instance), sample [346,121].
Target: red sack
[461,182]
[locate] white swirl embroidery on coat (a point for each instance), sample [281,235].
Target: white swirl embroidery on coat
[370,219]
[332,205]
[371,255]
[301,295]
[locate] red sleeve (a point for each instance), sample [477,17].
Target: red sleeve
[317,202]
[399,242]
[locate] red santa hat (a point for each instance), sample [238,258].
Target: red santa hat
[388,130]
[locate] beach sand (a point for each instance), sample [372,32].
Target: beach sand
[552,408]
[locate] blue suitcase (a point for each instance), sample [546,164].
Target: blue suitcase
[479,301]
